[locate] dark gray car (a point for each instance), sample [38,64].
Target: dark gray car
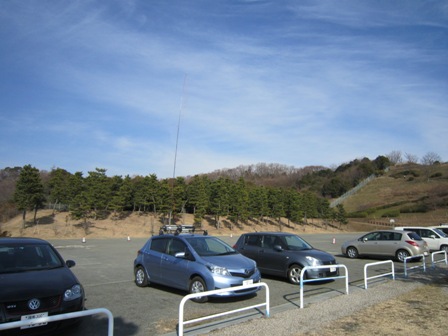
[285,255]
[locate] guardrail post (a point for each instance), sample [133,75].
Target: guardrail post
[217,291]
[413,257]
[321,279]
[433,263]
[378,276]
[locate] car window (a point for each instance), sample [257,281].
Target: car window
[441,233]
[296,243]
[372,236]
[426,233]
[414,236]
[396,236]
[253,240]
[176,246]
[209,246]
[159,245]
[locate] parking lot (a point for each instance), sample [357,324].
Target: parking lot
[105,268]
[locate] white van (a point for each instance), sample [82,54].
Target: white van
[437,240]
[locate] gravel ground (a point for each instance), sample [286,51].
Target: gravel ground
[322,315]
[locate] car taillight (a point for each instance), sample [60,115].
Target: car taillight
[411,242]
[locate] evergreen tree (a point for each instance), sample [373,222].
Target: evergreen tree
[29,193]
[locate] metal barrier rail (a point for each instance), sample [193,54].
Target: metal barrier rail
[320,279]
[380,275]
[433,262]
[413,257]
[59,317]
[217,291]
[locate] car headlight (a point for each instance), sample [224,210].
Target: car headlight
[73,293]
[218,270]
[313,261]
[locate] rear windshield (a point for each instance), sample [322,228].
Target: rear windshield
[21,258]
[414,236]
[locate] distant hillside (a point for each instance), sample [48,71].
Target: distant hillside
[411,194]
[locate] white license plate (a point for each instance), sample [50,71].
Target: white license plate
[332,269]
[248,282]
[32,317]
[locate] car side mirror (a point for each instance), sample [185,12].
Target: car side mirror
[180,255]
[278,248]
[70,263]
[433,236]
[364,240]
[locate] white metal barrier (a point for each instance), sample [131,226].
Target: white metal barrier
[217,291]
[53,318]
[321,279]
[410,268]
[379,275]
[434,262]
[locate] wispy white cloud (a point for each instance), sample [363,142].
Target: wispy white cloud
[298,83]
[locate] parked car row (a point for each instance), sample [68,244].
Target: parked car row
[35,281]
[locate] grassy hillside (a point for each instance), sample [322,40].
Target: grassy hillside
[411,194]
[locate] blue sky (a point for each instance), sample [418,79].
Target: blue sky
[102,84]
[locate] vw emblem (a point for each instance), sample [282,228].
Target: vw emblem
[34,304]
[246,271]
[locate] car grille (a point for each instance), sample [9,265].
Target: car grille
[21,307]
[246,274]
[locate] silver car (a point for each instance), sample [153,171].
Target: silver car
[386,243]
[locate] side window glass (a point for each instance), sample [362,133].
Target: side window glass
[253,240]
[269,241]
[158,245]
[176,246]
[396,236]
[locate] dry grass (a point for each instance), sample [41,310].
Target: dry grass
[422,311]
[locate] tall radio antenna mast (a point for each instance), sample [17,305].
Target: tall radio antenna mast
[177,142]
[178,124]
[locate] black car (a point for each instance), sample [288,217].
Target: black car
[36,282]
[285,255]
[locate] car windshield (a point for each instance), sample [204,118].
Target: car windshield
[21,258]
[441,233]
[295,243]
[210,246]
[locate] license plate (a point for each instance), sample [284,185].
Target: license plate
[332,269]
[425,253]
[248,282]
[32,317]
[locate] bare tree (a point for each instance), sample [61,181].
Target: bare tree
[431,158]
[411,158]
[395,157]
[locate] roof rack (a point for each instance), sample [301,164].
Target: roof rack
[177,229]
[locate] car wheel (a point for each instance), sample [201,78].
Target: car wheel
[141,279]
[294,274]
[402,255]
[352,252]
[197,285]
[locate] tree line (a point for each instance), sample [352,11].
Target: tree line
[96,196]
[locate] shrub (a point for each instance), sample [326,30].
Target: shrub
[391,213]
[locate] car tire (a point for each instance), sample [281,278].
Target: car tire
[294,274]
[352,252]
[401,255]
[197,285]
[141,280]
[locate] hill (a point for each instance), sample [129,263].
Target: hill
[409,194]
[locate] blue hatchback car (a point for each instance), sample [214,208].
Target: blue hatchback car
[194,263]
